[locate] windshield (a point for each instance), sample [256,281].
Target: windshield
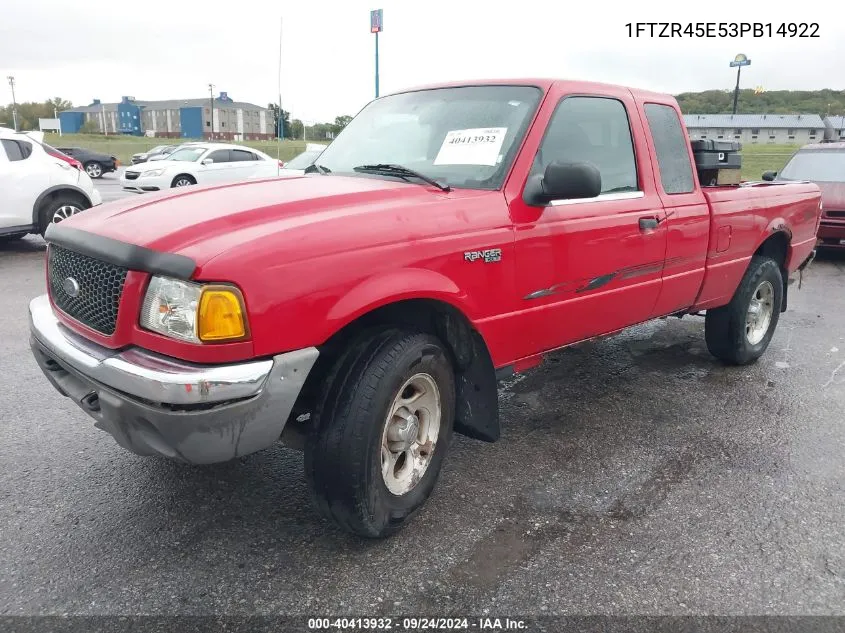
[190,154]
[818,166]
[157,148]
[303,160]
[463,137]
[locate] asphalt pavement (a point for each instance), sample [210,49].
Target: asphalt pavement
[635,475]
[109,186]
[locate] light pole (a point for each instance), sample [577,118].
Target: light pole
[14,103]
[376,26]
[739,61]
[211,100]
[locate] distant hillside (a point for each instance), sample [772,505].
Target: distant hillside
[821,102]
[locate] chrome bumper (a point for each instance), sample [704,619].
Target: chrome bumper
[152,404]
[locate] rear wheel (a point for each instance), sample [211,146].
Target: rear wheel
[183,180]
[740,332]
[94,169]
[381,431]
[59,208]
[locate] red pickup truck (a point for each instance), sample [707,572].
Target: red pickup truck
[449,236]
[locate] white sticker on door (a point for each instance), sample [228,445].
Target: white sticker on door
[478,146]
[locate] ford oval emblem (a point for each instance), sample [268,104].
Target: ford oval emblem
[71,287]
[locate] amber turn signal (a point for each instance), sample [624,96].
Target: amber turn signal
[222,316]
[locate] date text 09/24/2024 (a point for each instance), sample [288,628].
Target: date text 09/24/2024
[418,624]
[722,29]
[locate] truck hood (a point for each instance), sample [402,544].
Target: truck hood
[204,221]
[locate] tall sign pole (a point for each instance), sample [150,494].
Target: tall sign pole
[15,105]
[211,101]
[739,61]
[376,26]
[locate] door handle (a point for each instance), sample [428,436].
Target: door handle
[647,224]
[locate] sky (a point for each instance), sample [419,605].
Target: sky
[172,49]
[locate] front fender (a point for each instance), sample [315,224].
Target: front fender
[399,285]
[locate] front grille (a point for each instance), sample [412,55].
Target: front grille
[132,175]
[97,285]
[835,214]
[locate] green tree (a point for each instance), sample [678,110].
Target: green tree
[297,130]
[89,127]
[277,111]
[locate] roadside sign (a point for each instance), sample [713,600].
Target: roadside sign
[376,21]
[740,60]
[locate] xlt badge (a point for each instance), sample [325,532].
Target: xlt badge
[489,255]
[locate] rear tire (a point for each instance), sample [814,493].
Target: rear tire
[58,208]
[370,460]
[740,332]
[94,169]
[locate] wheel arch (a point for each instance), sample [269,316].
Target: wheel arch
[476,402]
[52,192]
[776,244]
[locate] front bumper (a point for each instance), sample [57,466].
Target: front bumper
[832,234]
[152,404]
[96,198]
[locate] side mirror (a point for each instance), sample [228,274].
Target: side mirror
[207,161]
[769,175]
[564,181]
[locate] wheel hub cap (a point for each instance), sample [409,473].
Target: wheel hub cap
[64,212]
[410,433]
[759,313]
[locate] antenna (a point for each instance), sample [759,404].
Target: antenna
[280,131]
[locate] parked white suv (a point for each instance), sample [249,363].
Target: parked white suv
[37,189]
[200,164]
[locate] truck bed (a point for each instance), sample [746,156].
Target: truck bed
[739,215]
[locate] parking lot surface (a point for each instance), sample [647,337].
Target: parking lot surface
[635,475]
[110,188]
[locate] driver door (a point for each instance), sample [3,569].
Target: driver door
[591,266]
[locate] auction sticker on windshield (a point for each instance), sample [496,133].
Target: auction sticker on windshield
[478,146]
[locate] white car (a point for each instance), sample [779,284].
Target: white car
[200,164]
[37,189]
[296,166]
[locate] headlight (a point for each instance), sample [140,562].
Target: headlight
[193,312]
[152,172]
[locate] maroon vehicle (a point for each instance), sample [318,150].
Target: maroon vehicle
[824,165]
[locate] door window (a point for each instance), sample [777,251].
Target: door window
[239,155]
[220,156]
[594,130]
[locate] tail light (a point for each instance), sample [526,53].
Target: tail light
[281,164]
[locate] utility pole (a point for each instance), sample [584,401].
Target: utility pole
[211,99]
[376,26]
[739,61]
[14,103]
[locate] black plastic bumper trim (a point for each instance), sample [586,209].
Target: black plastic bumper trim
[120,253]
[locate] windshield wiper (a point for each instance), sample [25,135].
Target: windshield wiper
[400,171]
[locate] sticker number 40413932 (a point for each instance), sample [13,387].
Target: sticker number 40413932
[476,146]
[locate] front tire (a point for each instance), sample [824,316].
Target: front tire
[94,169]
[381,431]
[183,180]
[59,208]
[740,332]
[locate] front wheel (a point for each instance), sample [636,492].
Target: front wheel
[740,332]
[183,181]
[60,208]
[381,431]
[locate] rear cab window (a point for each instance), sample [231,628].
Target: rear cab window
[672,148]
